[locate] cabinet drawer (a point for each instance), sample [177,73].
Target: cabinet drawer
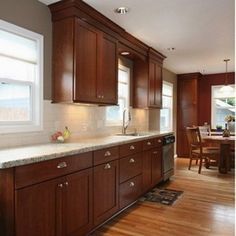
[148,144]
[130,191]
[34,173]
[130,148]
[105,155]
[158,142]
[130,167]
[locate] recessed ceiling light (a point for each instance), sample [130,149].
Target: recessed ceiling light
[122,10]
[171,49]
[124,53]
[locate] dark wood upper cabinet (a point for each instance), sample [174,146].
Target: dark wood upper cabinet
[148,81]
[85,64]
[187,114]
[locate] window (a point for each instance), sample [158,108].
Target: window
[222,105]
[166,114]
[114,114]
[21,78]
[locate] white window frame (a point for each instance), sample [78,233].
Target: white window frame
[213,124]
[172,105]
[36,122]
[118,122]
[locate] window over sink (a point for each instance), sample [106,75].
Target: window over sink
[114,114]
[21,79]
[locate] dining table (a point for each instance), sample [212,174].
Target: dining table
[227,145]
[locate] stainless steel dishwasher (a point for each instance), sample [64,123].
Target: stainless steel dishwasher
[168,156]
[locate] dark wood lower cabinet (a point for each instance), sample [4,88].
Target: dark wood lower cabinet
[156,155]
[61,207]
[147,171]
[77,203]
[36,210]
[152,168]
[105,191]
[130,191]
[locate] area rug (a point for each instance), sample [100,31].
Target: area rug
[163,196]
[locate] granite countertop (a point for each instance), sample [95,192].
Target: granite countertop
[32,154]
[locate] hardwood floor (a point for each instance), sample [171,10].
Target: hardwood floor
[206,208]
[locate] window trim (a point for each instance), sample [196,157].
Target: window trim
[213,124]
[36,124]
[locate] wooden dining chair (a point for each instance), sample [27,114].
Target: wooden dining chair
[197,150]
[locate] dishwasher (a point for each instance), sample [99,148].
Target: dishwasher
[168,156]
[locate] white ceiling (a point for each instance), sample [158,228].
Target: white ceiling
[202,31]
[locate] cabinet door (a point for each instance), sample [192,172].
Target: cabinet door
[105,191]
[158,86]
[151,89]
[108,70]
[86,68]
[156,166]
[38,208]
[77,203]
[147,170]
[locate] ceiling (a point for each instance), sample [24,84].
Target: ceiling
[201,31]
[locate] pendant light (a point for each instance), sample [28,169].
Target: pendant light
[225,89]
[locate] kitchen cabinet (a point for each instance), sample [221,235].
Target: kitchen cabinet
[148,81]
[85,63]
[61,206]
[187,113]
[130,173]
[152,172]
[105,191]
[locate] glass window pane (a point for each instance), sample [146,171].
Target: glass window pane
[17,46]
[122,76]
[14,102]
[167,89]
[222,105]
[166,102]
[23,71]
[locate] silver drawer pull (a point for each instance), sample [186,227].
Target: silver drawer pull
[60,185]
[149,143]
[159,141]
[132,147]
[107,154]
[155,152]
[131,160]
[62,165]
[131,184]
[66,183]
[107,166]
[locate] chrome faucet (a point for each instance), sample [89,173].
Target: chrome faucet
[125,124]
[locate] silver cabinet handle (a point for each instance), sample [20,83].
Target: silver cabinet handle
[155,152]
[107,166]
[149,143]
[132,147]
[102,96]
[159,141]
[62,165]
[107,154]
[60,185]
[131,160]
[131,184]
[66,183]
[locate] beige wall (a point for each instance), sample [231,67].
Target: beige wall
[35,16]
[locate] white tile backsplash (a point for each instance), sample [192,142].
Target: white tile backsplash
[83,121]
